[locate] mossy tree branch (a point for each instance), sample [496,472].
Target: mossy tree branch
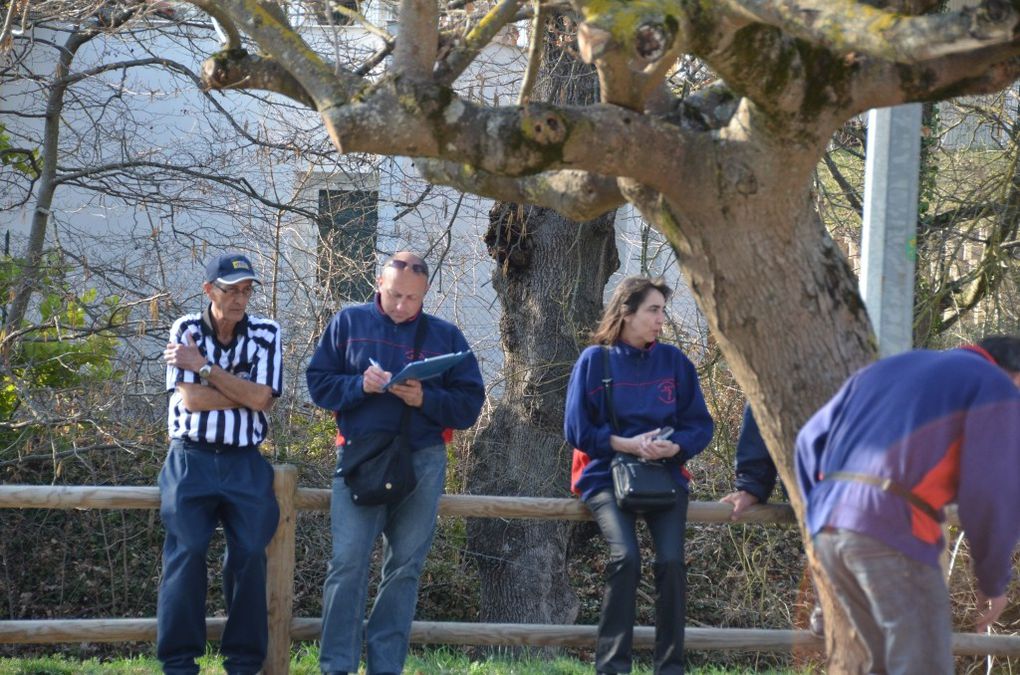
[846,26]
[578,195]
[470,46]
[266,24]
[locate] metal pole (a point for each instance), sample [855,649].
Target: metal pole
[889,239]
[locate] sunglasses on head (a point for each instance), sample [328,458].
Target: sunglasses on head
[417,268]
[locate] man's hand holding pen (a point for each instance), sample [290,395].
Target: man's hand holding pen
[375,378]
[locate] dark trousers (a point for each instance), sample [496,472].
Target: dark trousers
[616,623]
[201,485]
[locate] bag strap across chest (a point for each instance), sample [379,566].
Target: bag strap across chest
[607,390]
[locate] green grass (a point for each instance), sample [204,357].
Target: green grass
[443,661]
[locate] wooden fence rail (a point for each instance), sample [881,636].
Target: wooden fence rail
[284,628]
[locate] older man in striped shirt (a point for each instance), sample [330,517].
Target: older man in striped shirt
[224,371]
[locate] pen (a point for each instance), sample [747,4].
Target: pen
[374,363]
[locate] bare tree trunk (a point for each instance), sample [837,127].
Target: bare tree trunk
[769,279]
[550,277]
[32,270]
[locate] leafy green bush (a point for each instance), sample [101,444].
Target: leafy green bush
[70,346]
[22,161]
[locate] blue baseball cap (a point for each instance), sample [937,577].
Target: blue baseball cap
[229,268]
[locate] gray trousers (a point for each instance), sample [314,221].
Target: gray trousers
[899,606]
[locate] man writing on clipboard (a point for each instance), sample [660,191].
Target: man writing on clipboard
[363,346]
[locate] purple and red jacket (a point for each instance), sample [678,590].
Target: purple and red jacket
[652,388]
[945,425]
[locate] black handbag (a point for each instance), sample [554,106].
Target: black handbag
[639,485]
[642,485]
[377,467]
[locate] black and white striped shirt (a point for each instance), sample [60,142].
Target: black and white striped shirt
[255,354]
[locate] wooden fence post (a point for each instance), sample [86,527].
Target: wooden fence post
[280,572]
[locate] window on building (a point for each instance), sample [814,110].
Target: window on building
[348,223]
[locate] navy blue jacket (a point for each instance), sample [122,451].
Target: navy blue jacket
[652,388]
[452,400]
[756,472]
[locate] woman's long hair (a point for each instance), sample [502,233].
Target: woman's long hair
[626,299]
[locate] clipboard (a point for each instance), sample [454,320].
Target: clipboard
[427,368]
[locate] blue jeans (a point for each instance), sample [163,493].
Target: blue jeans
[616,621]
[899,606]
[201,485]
[407,528]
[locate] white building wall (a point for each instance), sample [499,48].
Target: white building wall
[151,116]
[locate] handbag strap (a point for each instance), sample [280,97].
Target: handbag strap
[607,389]
[419,340]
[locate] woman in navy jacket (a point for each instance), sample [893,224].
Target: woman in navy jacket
[654,386]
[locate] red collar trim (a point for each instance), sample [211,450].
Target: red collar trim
[980,350]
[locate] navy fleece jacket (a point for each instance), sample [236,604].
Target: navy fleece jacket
[356,334]
[652,388]
[756,472]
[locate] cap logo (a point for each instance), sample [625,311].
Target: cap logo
[240,265]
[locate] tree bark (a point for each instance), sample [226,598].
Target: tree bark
[769,280]
[550,276]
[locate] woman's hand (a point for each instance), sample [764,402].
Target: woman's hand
[660,449]
[633,445]
[644,446]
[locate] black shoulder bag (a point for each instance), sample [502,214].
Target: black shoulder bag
[640,485]
[377,467]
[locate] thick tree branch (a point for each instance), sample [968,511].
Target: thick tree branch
[266,24]
[225,22]
[847,26]
[578,195]
[633,45]
[803,84]
[511,141]
[237,69]
[882,84]
[415,51]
